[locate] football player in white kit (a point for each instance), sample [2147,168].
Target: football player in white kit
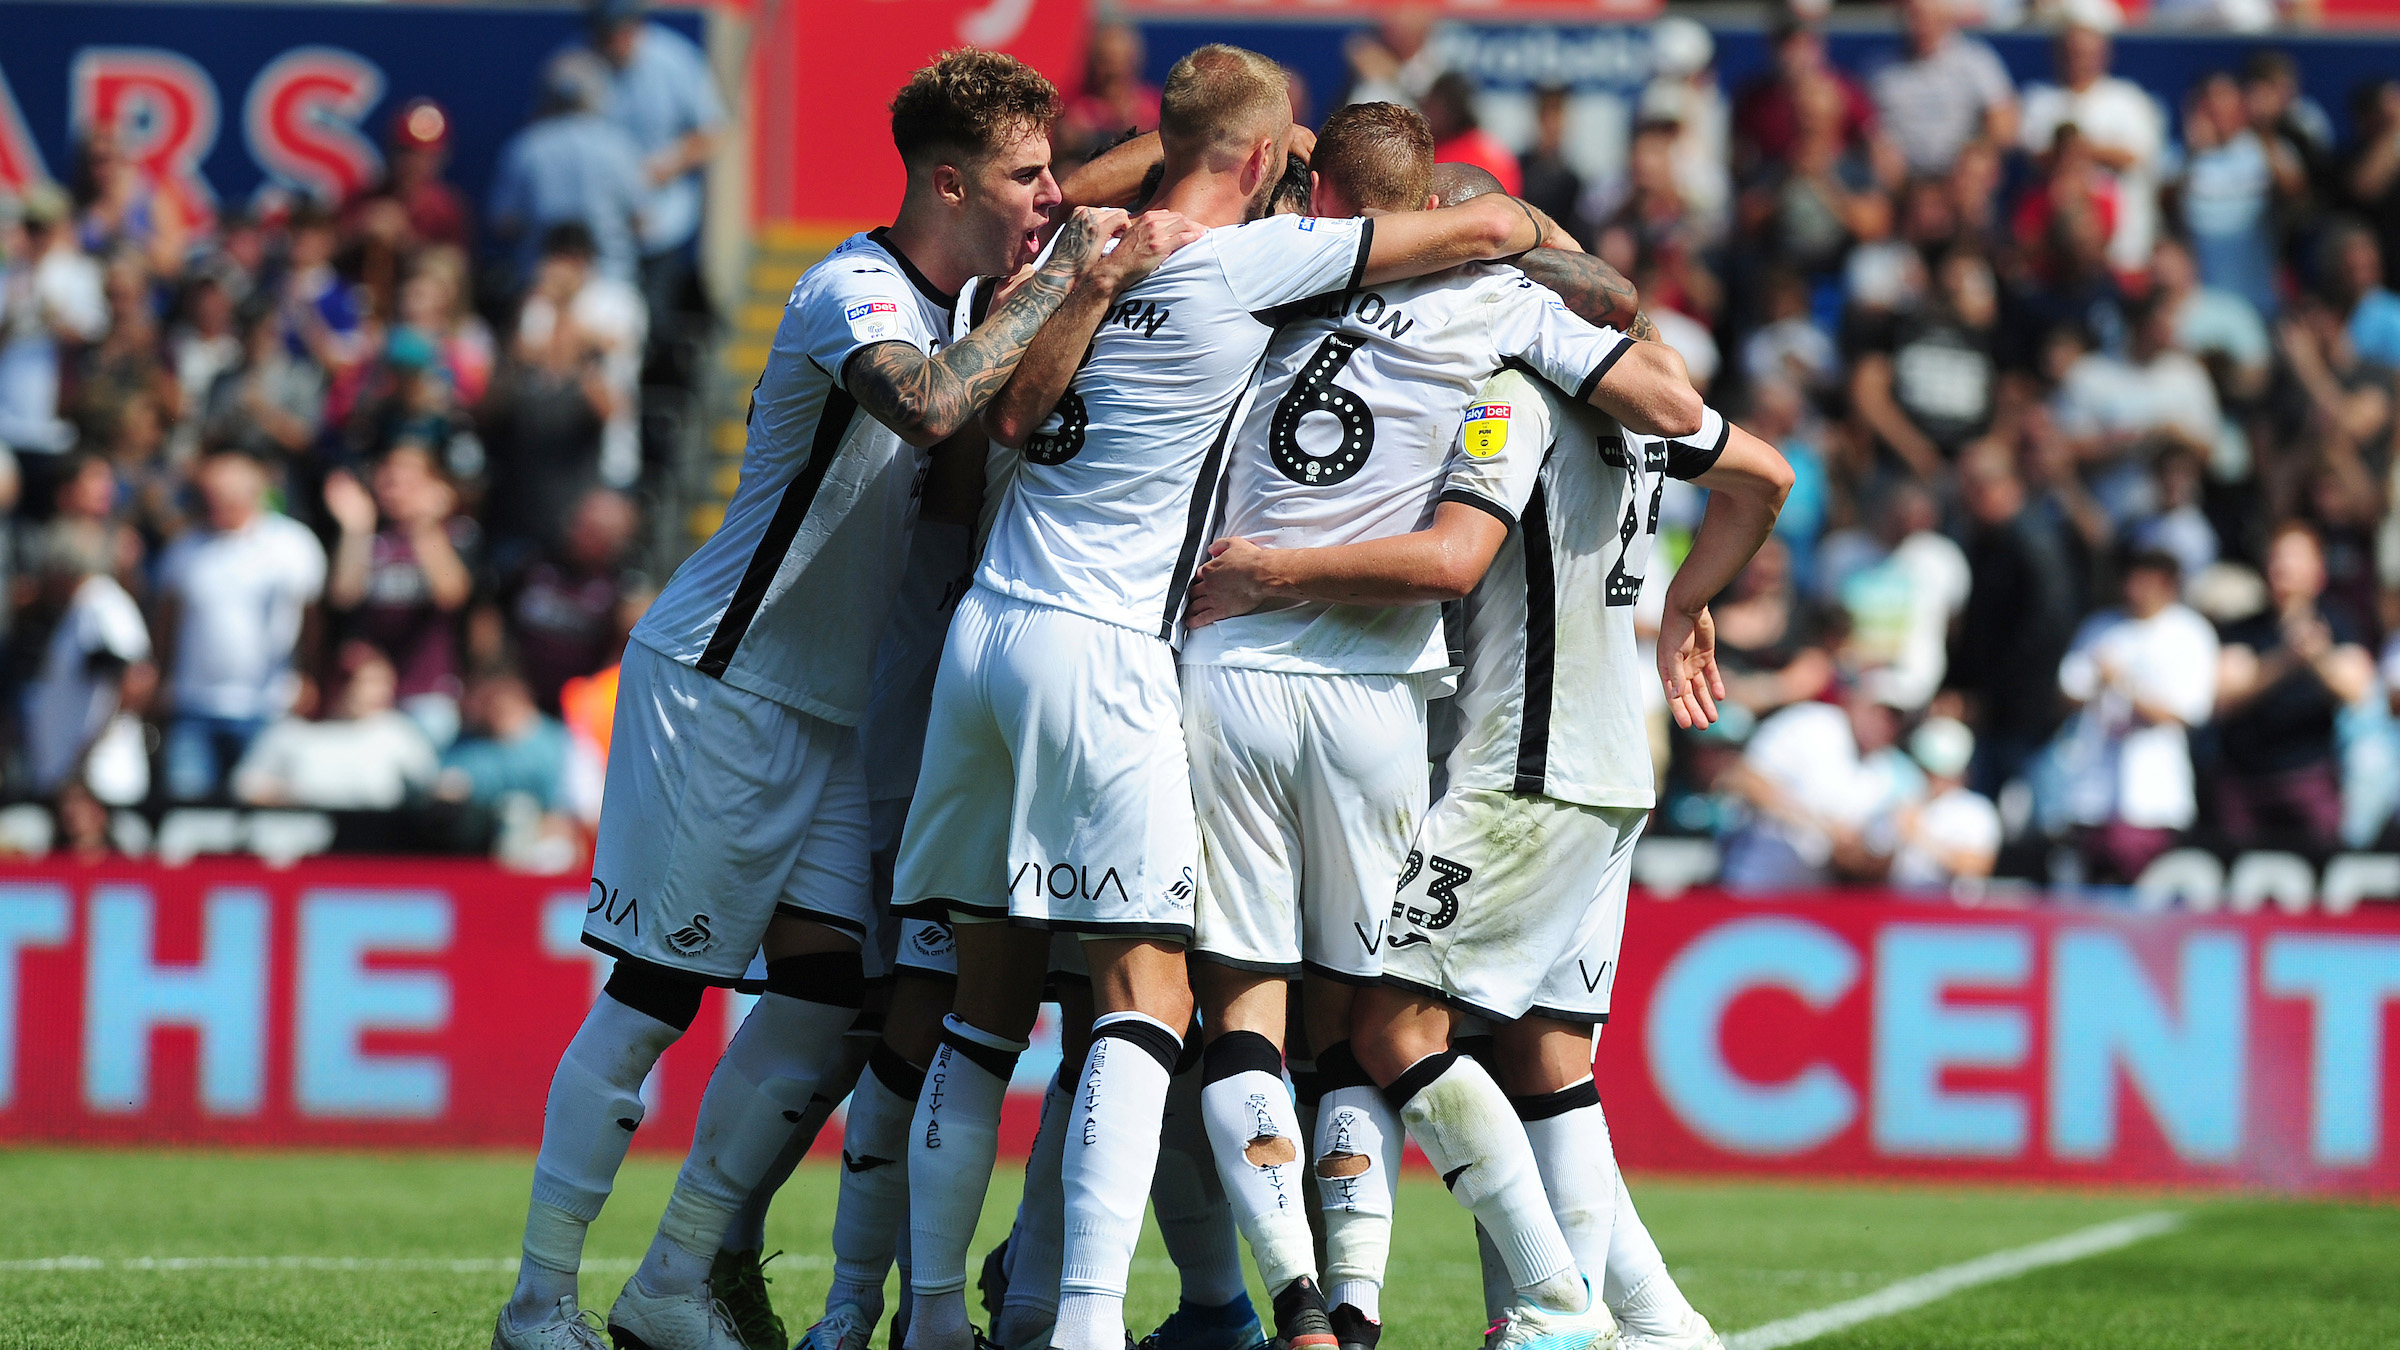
[1512,901]
[1060,798]
[736,806]
[1306,722]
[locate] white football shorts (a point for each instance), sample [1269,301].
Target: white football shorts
[1309,789]
[1513,906]
[1055,791]
[721,807]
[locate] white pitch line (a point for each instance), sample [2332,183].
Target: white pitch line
[1919,1290]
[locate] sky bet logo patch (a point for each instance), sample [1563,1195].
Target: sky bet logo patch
[860,311]
[1486,431]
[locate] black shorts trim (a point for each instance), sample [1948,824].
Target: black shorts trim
[1445,998]
[840,922]
[1589,1019]
[1340,976]
[608,948]
[1105,928]
[1286,970]
[931,909]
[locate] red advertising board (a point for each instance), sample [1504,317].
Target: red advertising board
[413,1004]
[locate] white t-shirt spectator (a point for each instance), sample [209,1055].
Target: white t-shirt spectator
[2113,114]
[70,703]
[242,595]
[1957,821]
[1932,106]
[614,316]
[363,764]
[1809,752]
[59,296]
[1901,610]
[2101,395]
[2140,772]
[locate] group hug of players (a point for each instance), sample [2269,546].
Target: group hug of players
[1075,634]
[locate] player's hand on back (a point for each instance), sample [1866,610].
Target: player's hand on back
[1147,242]
[1086,231]
[1687,666]
[1231,583]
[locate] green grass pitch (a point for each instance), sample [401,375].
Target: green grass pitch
[2246,1273]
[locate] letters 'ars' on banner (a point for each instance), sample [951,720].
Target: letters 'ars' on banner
[1904,1040]
[826,71]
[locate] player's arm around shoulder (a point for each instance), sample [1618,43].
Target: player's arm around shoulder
[925,398]
[1419,243]
[1057,350]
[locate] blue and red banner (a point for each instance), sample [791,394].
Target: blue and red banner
[405,1004]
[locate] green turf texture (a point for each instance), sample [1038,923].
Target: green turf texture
[2244,1273]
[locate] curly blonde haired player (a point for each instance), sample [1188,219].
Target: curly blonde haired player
[736,815]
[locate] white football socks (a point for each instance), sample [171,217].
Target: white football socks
[748,1231]
[1638,1288]
[753,1103]
[1195,1220]
[1462,1120]
[1358,1157]
[1579,1167]
[1261,1156]
[1037,1240]
[873,1205]
[952,1142]
[594,1105]
[1111,1157]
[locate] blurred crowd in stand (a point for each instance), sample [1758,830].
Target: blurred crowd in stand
[339,504]
[2090,390]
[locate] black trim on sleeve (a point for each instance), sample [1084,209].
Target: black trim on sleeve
[1480,502]
[833,425]
[1688,461]
[1366,244]
[1583,391]
[1541,649]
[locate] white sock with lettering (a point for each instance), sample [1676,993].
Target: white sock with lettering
[752,1106]
[1111,1157]
[873,1204]
[952,1142]
[1195,1220]
[1358,1157]
[594,1105]
[1462,1120]
[1039,1237]
[1261,1156]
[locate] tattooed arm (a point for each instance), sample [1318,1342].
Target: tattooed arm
[1057,352]
[925,398]
[1594,291]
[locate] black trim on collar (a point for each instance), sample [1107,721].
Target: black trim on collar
[882,235]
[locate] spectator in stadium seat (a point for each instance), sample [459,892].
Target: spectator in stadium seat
[120,207]
[82,707]
[1114,98]
[2023,600]
[2368,178]
[2121,127]
[2282,678]
[204,343]
[2351,276]
[433,301]
[2141,677]
[272,405]
[1953,835]
[1817,777]
[1458,134]
[129,362]
[365,756]
[1551,183]
[1946,90]
[233,595]
[2218,326]
[509,746]
[428,210]
[566,613]
[572,164]
[1766,113]
[52,299]
[1769,639]
[662,94]
[400,579]
[575,317]
[324,315]
[2230,178]
[1924,378]
[1683,92]
[1901,607]
[2119,415]
[1813,202]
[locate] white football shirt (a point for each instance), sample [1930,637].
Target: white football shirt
[788,597]
[1349,436]
[1110,505]
[1550,703]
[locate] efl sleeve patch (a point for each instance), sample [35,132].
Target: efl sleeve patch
[873,320]
[1486,431]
